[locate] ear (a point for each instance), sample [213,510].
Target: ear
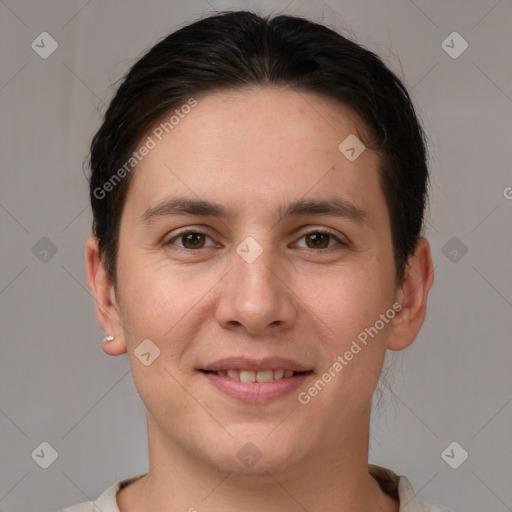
[107,309]
[412,294]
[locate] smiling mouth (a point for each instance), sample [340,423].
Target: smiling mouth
[259,376]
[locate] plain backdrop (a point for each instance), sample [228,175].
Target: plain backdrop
[57,386]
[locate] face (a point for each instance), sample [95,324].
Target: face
[277,256]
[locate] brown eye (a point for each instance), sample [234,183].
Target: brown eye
[320,240]
[189,240]
[193,240]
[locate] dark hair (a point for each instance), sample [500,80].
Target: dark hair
[233,50]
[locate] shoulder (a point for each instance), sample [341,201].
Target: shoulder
[400,487]
[106,502]
[80,507]
[409,500]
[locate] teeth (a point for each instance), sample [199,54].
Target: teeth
[235,375]
[261,376]
[265,376]
[246,376]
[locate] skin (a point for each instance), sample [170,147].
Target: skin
[253,151]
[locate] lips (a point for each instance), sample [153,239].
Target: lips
[256,381]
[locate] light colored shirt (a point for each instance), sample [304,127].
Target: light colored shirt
[396,486]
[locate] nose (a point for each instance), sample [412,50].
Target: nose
[257,297]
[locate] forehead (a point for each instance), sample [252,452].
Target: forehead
[250,147]
[257,118]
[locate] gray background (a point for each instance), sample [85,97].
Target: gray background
[452,384]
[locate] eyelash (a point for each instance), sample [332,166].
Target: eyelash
[312,232]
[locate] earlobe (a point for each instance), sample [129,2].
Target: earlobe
[412,295]
[102,290]
[114,346]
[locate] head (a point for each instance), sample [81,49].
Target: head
[258,190]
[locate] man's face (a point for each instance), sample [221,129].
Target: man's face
[261,282]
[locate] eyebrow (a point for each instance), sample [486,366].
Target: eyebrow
[334,206]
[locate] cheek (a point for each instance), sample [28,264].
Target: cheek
[169,306]
[351,309]
[350,298]
[157,296]
[353,339]
[156,308]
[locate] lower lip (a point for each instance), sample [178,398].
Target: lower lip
[256,392]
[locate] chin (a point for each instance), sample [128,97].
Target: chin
[257,450]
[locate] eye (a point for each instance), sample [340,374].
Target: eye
[190,240]
[193,240]
[319,239]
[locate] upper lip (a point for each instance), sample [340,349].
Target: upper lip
[255,365]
